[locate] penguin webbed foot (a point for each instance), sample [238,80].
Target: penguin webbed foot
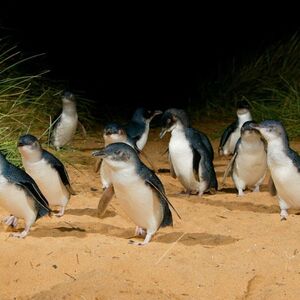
[256,189]
[11,221]
[194,193]
[139,231]
[20,235]
[240,193]
[145,242]
[60,213]
[283,215]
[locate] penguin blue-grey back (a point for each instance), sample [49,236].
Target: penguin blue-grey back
[232,133]
[47,170]
[284,164]
[138,189]
[190,153]
[65,125]
[21,197]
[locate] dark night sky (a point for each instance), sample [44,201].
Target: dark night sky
[137,54]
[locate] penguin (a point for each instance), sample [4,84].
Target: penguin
[248,166]
[112,133]
[66,124]
[21,197]
[284,165]
[139,191]
[190,153]
[139,126]
[48,172]
[232,133]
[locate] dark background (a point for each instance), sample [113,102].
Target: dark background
[127,56]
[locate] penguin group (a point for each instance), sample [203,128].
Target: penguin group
[126,172]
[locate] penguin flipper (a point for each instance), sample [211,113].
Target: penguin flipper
[97,165]
[205,141]
[37,195]
[227,132]
[53,126]
[156,184]
[205,161]
[60,168]
[21,178]
[228,168]
[104,200]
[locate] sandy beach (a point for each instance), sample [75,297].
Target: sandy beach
[224,247]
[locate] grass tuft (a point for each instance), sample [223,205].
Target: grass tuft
[28,102]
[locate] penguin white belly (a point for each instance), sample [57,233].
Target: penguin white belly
[49,182]
[287,182]
[105,174]
[231,142]
[181,156]
[138,200]
[65,130]
[143,140]
[15,201]
[250,167]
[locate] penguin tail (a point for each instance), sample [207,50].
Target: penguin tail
[167,219]
[43,212]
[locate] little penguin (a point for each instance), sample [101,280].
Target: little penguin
[112,133]
[21,197]
[190,153]
[233,132]
[284,165]
[139,126]
[139,191]
[48,172]
[65,125]
[248,166]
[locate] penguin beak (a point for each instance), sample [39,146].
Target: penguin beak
[254,126]
[100,153]
[162,133]
[20,144]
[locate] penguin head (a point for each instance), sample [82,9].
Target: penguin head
[271,130]
[243,107]
[113,133]
[249,132]
[171,118]
[143,114]
[68,99]
[29,146]
[117,155]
